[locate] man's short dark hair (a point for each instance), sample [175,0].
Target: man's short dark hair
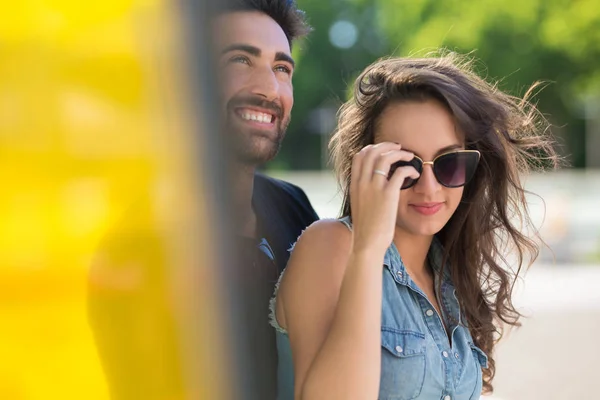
[285,12]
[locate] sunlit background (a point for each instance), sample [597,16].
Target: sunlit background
[91,142]
[516,43]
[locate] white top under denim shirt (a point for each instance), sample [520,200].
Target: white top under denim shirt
[418,361]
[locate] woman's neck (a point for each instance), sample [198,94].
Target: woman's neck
[413,249]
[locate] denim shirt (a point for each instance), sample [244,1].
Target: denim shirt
[418,359]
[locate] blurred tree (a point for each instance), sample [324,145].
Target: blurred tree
[345,39]
[517,41]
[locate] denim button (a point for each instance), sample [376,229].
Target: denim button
[447,397]
[399,349]
[429,313]
[456,354]
[445,354]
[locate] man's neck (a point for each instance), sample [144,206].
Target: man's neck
[243,185]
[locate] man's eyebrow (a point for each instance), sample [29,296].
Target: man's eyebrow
[255,51]
[281,56]
[246,48]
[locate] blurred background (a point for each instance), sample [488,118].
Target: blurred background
[99,144]
[516,44]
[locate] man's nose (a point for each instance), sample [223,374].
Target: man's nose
[265,84]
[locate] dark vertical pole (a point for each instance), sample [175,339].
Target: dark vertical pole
[214,163]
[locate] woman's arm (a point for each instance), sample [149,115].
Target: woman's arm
[332,305]
[331,292]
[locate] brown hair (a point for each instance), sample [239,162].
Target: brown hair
[512,137]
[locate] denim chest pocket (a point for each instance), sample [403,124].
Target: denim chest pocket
[402,364]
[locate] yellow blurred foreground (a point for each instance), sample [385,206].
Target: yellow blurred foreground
[99,206]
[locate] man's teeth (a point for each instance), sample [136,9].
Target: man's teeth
[259,117]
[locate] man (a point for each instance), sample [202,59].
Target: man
[253,44]
[253,40]
[129,305]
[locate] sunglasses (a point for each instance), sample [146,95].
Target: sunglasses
[452,170]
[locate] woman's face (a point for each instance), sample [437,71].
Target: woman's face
[426,129]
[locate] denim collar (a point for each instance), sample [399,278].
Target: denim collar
[446,298]
[393,261]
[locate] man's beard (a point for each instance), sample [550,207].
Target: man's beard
[254,146]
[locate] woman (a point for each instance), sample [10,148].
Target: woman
[406,295]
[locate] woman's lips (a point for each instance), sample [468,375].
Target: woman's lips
[427,208]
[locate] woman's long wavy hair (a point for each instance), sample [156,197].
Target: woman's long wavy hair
[491,219]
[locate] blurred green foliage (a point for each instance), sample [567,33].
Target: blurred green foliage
[516,42]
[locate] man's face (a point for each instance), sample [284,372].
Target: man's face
[255,67]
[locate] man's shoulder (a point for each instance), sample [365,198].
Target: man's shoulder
[288,199]
[266,183]
[283,212]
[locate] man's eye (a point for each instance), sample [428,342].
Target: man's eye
[239,59]
[283,68]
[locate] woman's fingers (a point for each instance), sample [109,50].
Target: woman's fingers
[383,164]
[371,156]
[400,174]
[370,170]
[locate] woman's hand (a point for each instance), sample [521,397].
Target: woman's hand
[373,197]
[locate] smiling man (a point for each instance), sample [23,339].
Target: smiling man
[253,40]
[257,71]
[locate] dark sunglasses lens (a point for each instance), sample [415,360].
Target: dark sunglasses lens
[408,182]
[456,169]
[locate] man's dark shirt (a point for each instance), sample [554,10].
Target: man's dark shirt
[283,211]
[134,328]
